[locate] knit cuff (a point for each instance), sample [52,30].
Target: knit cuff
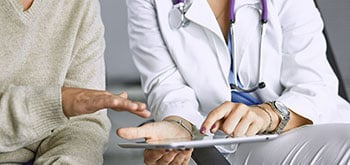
[45,108]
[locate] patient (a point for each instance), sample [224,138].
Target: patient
[52,82]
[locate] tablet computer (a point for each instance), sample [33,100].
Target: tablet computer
[199,142]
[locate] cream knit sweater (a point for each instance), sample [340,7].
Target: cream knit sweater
[53,44]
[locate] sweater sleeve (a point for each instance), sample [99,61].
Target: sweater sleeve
[87,70]
[28,114]
[33,112]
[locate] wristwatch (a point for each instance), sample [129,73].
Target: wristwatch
[283,114]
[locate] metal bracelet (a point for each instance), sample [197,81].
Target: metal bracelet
[268,113]
[181,123]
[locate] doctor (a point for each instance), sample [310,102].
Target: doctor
[244,67]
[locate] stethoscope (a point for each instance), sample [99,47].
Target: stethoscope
[233,51]
[178,20]
[176,15]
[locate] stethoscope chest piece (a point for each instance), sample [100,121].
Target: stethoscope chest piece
[176,18]
[176,15]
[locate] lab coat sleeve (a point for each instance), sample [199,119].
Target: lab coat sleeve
[167,92]
[310,84]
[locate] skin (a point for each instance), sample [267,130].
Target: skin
[26,4]
[234,119]
[157,131]
[240,120]
[221,15]
[77,101]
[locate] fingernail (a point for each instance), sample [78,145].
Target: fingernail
[203,130]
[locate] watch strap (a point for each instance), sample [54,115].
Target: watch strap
[283,119]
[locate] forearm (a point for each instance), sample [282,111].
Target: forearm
[294,121]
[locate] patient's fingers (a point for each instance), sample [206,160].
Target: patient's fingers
[121,103]
[134,132]
[152,156]
[78,101]
[167,158]
[153,131]
[182,157]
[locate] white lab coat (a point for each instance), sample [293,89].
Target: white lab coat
[185,72]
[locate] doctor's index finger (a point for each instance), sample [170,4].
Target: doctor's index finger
[217,114]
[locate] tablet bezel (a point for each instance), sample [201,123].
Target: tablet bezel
[196,143]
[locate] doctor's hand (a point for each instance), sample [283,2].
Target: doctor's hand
[238,119]
[78,101]
[158,131]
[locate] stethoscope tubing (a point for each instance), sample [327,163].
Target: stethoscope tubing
[180,5]
[259,84]
[264,11]
[179,1]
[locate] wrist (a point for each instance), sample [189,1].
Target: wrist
[186,125]
[275,120]
[267,127]
[283,114]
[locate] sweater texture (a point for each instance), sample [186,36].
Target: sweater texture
[53,44]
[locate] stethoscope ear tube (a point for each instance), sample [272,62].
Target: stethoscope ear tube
[264,11]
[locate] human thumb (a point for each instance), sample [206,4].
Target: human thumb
[133,133]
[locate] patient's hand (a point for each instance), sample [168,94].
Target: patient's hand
[157,131]
[78,101]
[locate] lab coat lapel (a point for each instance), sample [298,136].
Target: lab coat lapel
[201,14]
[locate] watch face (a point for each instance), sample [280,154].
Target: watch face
[282,108]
